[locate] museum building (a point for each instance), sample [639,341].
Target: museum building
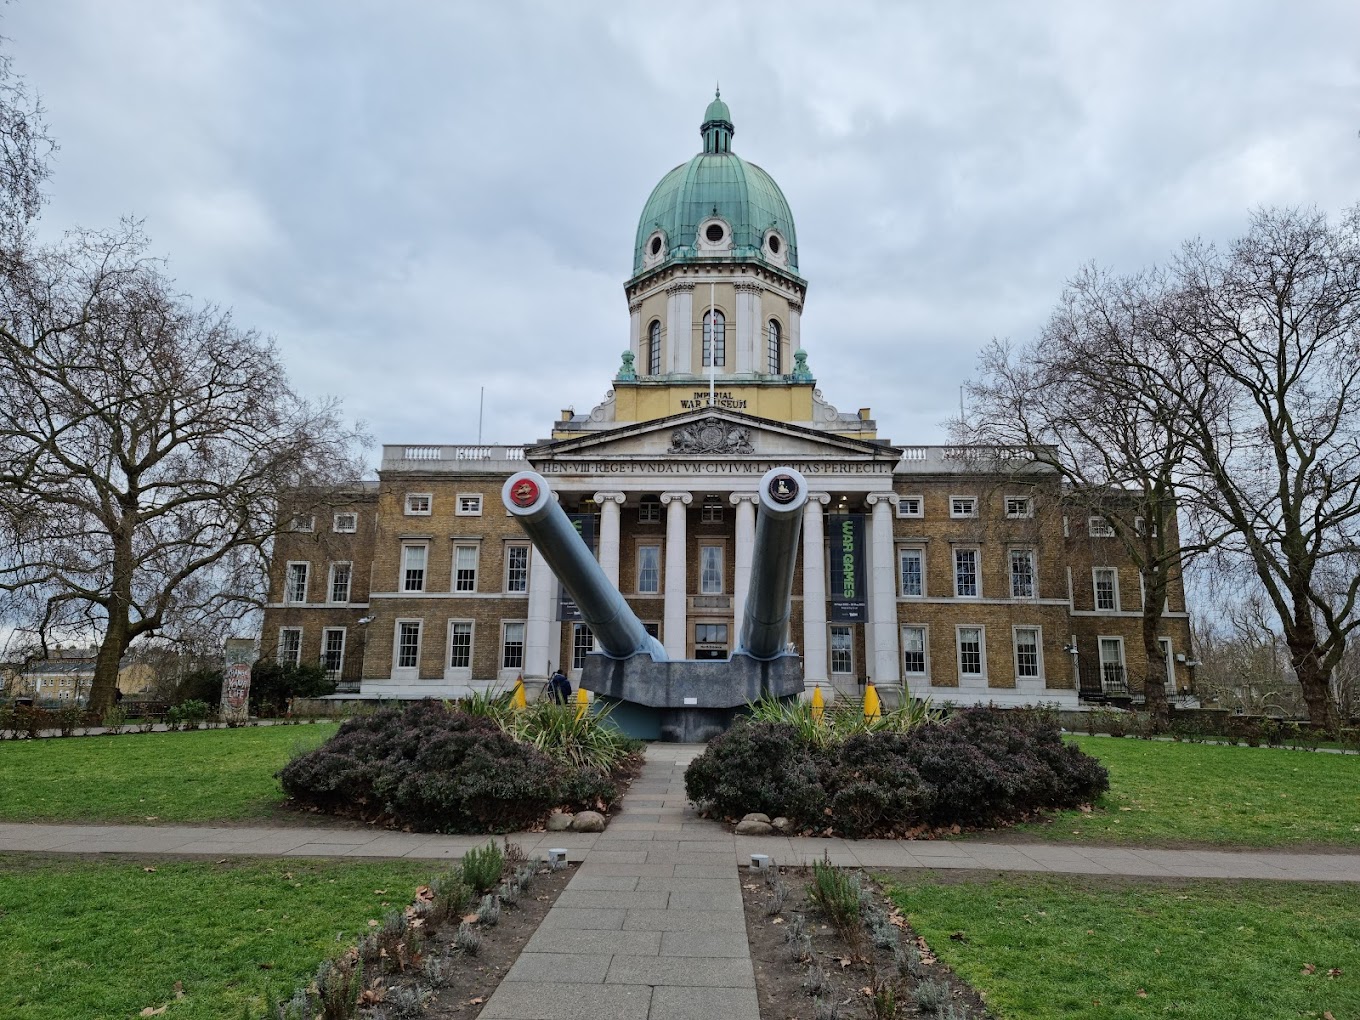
[974,579]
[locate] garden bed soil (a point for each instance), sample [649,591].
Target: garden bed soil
[472,979]
[849,971]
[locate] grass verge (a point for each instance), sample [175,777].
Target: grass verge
[197,776]
[1043,947]
[83,939]
[1166,793]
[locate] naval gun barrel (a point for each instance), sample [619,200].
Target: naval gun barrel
[618,632]
[782,494]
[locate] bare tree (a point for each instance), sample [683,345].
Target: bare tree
[1097,398]
[143,444]
[1271,331]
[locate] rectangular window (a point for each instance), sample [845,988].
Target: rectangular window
[468,505]
[972,659]
[710,634]
[1018,507]
[340,575]
[295,588]
[1022,573]
[1140,526]
[649,570]
[1112,664]
[962,506]
[914,651]
[912,564]
[460,644]
[333,651]
[842,650]
[711,513]
[290,646]
[649,510]
[303,522]
[1099,527]
[465,568]
[966,573]
[512,646]
[413,567]
[1027,654]
[910,506]
[582,644]
[1168,663]
[346,524]
[408,644]
[1107,589]
[710,570]
[418,504]
[517,568]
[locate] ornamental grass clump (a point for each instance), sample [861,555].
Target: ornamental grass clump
[836,894]
[482,867]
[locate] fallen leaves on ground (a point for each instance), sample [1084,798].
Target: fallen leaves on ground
[1141,993]
[148,869]
[1308,968]
[153,1011]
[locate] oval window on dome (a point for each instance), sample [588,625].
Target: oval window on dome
[774,243]
[714,233]
[656,246]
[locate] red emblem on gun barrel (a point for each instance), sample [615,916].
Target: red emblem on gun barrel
[524,493]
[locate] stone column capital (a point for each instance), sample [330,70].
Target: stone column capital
[683,497]
[822,498]
[611,497]
[738,498]
[887,498]
[680,287]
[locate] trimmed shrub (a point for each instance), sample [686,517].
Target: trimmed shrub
[758,766]
[871,784]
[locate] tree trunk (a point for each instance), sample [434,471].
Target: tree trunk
[1317,689]
[106,664]
[1154,677]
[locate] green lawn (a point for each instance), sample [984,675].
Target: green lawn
[108,939]
[1041,947]
[198,776]
[1167,793]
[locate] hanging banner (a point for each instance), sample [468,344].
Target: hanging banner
[566,605]
[849,599]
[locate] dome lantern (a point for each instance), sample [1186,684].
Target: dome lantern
[717,129]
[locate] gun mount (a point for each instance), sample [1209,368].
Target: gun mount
[653,696]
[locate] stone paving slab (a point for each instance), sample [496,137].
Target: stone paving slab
[685,971]
[527,1000]
[704,1004]
[613,943]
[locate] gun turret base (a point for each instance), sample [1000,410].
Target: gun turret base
[691,700]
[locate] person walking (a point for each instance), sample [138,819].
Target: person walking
[559,687]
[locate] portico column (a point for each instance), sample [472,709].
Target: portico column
[538,626]
[814,592]
[609,503]
[882,577]
[746,540]
[676,610]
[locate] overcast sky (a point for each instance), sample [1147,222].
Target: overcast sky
[418,198]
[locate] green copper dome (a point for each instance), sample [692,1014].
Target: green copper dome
[717,188]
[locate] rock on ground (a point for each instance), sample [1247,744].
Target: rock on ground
[588,821]
[751,827]
[559,821]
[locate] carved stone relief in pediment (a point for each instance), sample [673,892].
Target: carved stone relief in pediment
[711,435]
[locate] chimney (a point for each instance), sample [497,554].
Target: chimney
[865,413]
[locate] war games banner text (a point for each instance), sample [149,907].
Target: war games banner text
[712,467]
[849,601]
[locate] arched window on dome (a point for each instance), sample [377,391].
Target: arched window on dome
[715,339]
[772,339]
[654,348]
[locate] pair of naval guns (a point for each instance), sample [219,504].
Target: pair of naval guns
[654,696]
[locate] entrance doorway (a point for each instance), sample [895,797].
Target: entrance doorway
[710,641]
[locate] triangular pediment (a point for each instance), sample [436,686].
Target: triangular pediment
[713,433]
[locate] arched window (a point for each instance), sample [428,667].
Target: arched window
[654,348]
[772,346]
[715,339]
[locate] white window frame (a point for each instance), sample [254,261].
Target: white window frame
[710,513]
[344,637]
[399,670]
[982,653]
[412,506]
[963,515]
[904,505]
[1038,650]
[1033,571]
[722,568]
[1099,527]
[404,579]
[1095,589]
[455,582]
[288,587]
[831,648]
[1100,657]
[528,558]
[1139,524]
[1026,512]
[583,648]
[924,628]
[977,570]
[452,672]
[349,583]
[297,654]
[467,504]
[510,672]
[303,523]
[338,526]
[637,581]
[1169,662]
[902,552]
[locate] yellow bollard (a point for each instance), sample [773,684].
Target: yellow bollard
[818,704]
[872,709]
[517,699]
[582,702]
